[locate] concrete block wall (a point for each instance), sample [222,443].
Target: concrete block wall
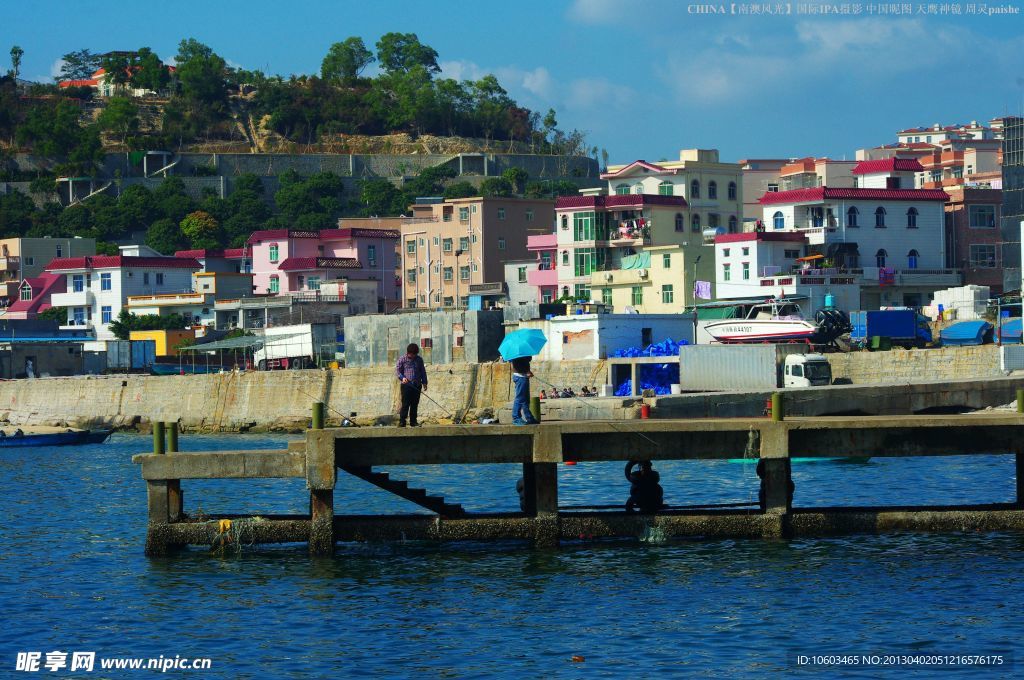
[901,365]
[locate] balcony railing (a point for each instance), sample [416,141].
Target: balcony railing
[10,263]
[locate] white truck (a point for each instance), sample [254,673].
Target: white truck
[708,368]
[305,345]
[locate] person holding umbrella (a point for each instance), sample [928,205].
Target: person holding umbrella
[518,347]
[412,375]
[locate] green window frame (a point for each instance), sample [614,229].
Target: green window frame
[274,253]
[446,245]
[583,226]
[668,295]
[666,189]
[584,260]
[666,261]
[275,284]
[638,295]
[606,296]
[582,292]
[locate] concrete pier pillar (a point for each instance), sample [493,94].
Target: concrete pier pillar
[321,529]
[321,475]
[1020,478]
[535,408]
[175,498]
[777,480]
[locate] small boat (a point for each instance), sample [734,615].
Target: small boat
[780,320]
[18,438]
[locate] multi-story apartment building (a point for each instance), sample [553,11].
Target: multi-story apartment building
[97,287]
[804,173]
[940,133]
[972,235]
[652,281]
[760,175]
[449,246]
[26,258]
[544,277]
[1013,202]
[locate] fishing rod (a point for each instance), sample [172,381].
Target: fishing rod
[455,419]
[346,420]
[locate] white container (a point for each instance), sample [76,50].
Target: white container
[675,388]
[607,390]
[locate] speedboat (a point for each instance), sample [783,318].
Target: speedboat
[775,320]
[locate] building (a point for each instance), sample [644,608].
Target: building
[25,258]
[229,260]
[166,343]
[760,175]
[891,237]
[198,304]
[972,235]
[1013,201]
[544,277]
[940,133]
[444,337]
[334,301]
[953,164]
[579,337]
[105,87]
[286,261]
[98,286]
[451,245]
[652,281]
[34,296]
[804,173]
[518,289]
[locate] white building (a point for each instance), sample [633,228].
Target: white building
[598,336]
[99,286]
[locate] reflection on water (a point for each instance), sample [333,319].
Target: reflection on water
[75,578]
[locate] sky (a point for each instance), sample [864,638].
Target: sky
[642,78]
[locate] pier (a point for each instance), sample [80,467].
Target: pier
[540,450]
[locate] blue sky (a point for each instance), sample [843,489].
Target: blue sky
[643,78]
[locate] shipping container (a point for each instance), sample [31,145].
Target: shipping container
[902,326]
[734,367]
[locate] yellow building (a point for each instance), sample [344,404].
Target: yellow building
[652,281]
[166,341]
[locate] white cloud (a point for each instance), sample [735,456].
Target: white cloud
[537,82]
[597,11]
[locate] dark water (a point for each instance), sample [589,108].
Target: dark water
[73,578]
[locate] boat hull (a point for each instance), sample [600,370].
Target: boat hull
[752,330]
[55,439]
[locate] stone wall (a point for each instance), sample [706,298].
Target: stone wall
[902,365]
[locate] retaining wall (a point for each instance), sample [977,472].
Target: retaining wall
[912,365]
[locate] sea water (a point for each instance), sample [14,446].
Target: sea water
[73,577]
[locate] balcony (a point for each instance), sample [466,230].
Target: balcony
[809,280]
[619,277]
[912,277]
[10,264]
[542,242]
[166,299]
[542,277]
[83,298]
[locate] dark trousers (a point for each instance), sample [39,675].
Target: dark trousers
[410,403]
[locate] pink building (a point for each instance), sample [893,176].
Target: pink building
[288,261]
[545,276]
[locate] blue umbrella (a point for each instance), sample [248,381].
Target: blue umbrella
[522,343]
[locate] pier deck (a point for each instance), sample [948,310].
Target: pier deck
[540,449]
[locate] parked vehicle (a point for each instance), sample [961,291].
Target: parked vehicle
[751,367]
[807,370]
[904,327]
[304,345]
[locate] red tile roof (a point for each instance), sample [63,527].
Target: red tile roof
[296,264]
[852,194]
[894,164]
[120,262]
[640,163]
[359,232]
[43,286]
[615,201]
[234,253]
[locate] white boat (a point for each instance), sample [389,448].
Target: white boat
[772,321]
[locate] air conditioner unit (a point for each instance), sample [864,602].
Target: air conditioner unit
[643,273]
[608,276]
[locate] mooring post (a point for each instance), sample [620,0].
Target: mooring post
[542,484]
[158,438]
[1020,401]
[318,415]
[535,408]
[175,499]
[778,406]
[1020,477]
[775,471]
[321,474]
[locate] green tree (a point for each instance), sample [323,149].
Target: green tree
[164,236]
[380,197]
[461,190]
[201,229]
[551,189]
[118,69]
[399,52]
[78,65]
[120,116]
[345,60]
[517,177]
[148,72]
[57,314]
[139,207]
[16,54]
[496,186]
[201,73]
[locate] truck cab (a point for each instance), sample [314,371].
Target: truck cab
[807,370]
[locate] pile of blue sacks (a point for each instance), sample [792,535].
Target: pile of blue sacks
[657,377]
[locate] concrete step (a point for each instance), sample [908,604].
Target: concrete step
[401,488]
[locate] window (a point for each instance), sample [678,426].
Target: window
[695,223]
[621,189]
[638,188]
[545,260]
[501,213]
[892,182]
[447,216]
[446,245]
[583,226]
[695,189]
[712,189]
[726,251]
[606,296]
[772,188]
[584,261]
[274,251]
[26,292]
[529,215]
[638,295]
[817,217]
[435,243]
[565,257]
[791,254]
[666,261]
[667,295]
[159,278]
[983,255]
[912,259]
[464,243]
[313,283]
[912,218]
[732,191]
[745,251]
[501,244]
[464,273]
[410,248]
[680,223]
[411,302]
[30,261]
[565,223]
[733,224]
[437,267]
[982,216]
[582,292]
[778,220]
[449,301]
[880,217]
[145,278]
[746,271]
[275,284]
[77,283]
[726,272]
[449,273]
[463,214]
[371,255]
[880,257]
[302,280]
[410,275]
[105,281]
[79,316]
[546,296]
[476,267]
[106,315]
[713,221]
[851,217]
[522,275]
[666,188]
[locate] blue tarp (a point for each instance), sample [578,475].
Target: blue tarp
[657,377]
[1011,330]
[967,333]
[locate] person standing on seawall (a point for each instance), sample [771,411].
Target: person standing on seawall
[521,375]
[412,375]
